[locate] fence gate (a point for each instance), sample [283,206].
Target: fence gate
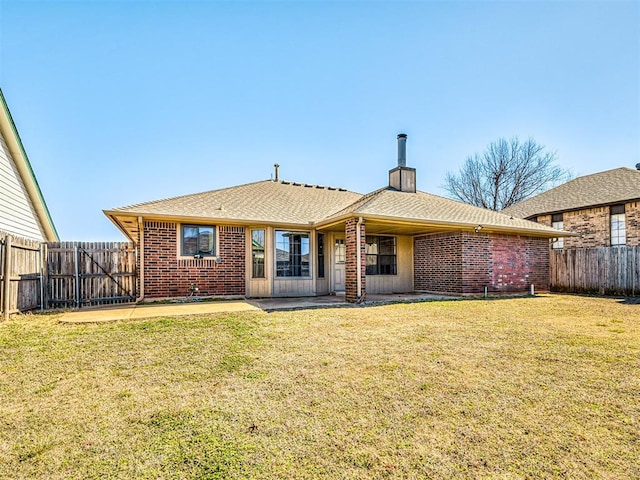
[91,273]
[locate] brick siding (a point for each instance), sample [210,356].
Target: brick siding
[632,214]
[437,263]
[466,263]
[167,275]
[353,255]
[594,226]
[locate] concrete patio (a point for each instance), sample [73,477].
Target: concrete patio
[113,313]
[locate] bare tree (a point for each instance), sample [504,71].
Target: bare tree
[507,172]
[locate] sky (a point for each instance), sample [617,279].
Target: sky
[122,102]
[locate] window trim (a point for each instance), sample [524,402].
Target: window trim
[557,223]
[180,242]
[320,254]
[275,254]
[617,212]
[264,254]
[378,255]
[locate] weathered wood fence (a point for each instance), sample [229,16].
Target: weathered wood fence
[21,283]
[81,273]
[64,274]
[600,270]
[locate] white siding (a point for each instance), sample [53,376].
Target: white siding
[17,214]
[403,281]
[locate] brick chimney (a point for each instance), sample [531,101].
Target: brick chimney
[402,178]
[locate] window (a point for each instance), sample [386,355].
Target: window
[292,254]
[557,223]
[321,255]
[618,226]
[257,253]
[381,255]
[340,251]
[198,240]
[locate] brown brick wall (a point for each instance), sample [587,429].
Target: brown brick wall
[166,275]
[594,226]
[438,263]
[353,255]
[467,262]
[632,214]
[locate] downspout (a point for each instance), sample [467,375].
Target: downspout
[359,264]
[141,254]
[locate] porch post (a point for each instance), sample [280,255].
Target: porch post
[355,254]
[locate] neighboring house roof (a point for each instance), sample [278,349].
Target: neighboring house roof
[304,205]
[27,213]
[619,185]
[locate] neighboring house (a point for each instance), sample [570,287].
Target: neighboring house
[279,238]
[603,208]
[23,211]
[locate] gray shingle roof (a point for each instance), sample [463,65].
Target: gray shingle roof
[612,186]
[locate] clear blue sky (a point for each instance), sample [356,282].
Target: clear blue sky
[124,102]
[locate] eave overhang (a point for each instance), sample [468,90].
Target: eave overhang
[424,227]
[19,155]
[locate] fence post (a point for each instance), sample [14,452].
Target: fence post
[6,294]
[43,259]
[77,277]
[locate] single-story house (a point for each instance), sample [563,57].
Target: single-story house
[279,238]
[602,208]
[23,211]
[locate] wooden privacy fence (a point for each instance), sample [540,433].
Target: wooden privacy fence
[81,273]
[21,282]
[64,274]
[601,270]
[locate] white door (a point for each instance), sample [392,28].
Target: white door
[339,256]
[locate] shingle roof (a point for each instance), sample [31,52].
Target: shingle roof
[302,204]
[612,186]
[429,208]
[265,201]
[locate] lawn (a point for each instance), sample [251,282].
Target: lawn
[545,387]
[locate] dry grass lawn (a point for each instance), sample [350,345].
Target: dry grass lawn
[545,387]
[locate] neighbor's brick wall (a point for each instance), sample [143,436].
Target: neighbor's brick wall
[464,263]
[353,255]
[166,275]
[594,226]
[632,214]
